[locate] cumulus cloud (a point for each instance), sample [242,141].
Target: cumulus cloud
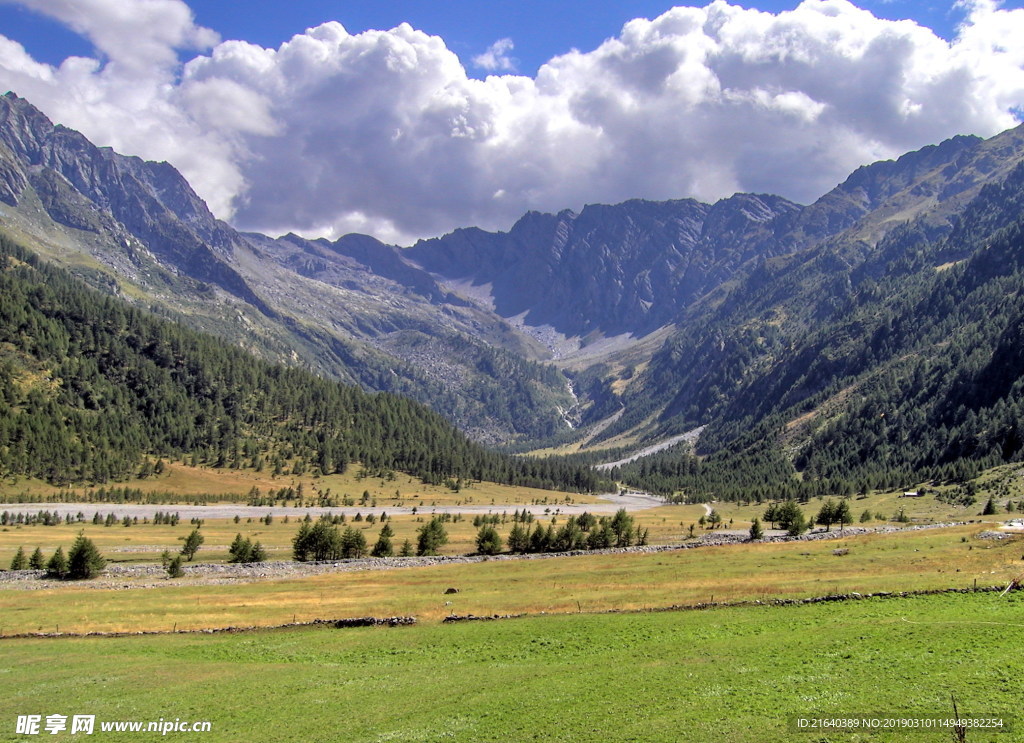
[384,132]
[496,58]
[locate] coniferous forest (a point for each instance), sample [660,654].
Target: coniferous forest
[913,372]
[92,387]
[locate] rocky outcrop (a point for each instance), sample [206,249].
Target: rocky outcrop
[95,189]
[627,268]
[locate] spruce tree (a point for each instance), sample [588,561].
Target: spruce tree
[756,530]
[488,541]
[257,553]
[842,513]
[37,561]
[518,539]
[431,537]
[798,524]
[20,562]
[57,567]
[84,560]
[353,543]
[827,515]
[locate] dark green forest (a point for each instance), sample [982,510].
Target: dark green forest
[902,367]
[91,389]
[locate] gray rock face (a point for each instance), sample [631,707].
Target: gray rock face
[627,268]
[82,186]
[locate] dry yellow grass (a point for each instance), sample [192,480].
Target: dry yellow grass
[893,562]
[234,485]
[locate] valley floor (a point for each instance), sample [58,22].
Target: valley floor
[744,675]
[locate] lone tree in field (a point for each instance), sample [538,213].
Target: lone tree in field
[756,531]
[192,543]
[990,508]
[84,560]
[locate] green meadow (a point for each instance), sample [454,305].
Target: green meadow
[733,674]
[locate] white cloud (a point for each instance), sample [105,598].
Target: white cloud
[384,131]
[496,58]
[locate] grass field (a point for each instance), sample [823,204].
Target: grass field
[914,560]
[143,543]
[737,675]
[228,485]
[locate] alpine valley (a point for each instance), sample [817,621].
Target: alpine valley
[870,339]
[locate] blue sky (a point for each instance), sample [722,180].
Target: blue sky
[477,111]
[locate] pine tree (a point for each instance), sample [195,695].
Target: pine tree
[192,544]
[174,568]
[518,539]
[756,531]
[842,513]
[258,553]
[20,562]
[406,550]
[383,547]
[431,537]
[488,541]
[37,561]
[84,560]
[57,567]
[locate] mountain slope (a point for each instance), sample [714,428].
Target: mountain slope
[618,326]
[352,310]
[738,333]
[915,375]
[90,386]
